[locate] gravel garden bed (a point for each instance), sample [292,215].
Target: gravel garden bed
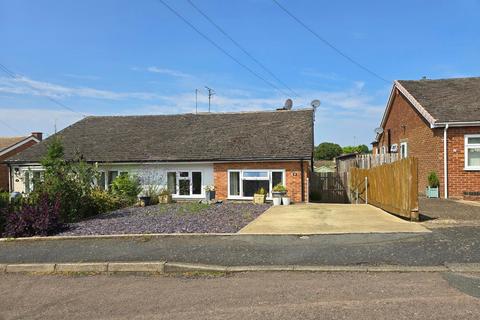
[186,217]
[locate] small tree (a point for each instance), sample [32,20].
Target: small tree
[70,181]
[127,187]
[327,151]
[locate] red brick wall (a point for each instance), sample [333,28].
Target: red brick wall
[4,168]
[406,124]
[459,180]
[292,176]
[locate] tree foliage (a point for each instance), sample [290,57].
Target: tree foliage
[359,149]
[327,151]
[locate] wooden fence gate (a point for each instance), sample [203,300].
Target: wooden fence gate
[391,187]
[328,187]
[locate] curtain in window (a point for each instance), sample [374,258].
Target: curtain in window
[234,183]
[474,157]
[172,182]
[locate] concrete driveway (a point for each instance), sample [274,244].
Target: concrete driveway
[315,218]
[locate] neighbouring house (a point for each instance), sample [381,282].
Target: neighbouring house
[438,122]
[237,153]
[10,146]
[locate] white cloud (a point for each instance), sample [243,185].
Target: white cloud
[169,72]
[165,71]
[26,86]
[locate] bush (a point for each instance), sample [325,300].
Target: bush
[433,181]
[106,202]
[126,187]
[4,199]
[39,219]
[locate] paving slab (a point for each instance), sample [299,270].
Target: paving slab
[316,218]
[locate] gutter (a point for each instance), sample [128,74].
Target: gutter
[445,160]
[455,124]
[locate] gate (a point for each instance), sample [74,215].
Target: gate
[328,187]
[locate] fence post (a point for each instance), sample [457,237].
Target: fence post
[308,190]
[366,190]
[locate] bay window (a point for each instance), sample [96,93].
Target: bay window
[472,152]
[185,183]
[243,184]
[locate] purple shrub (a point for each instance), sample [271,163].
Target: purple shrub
[39,219]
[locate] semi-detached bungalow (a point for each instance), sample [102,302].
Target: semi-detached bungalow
[438,122]
[237,153]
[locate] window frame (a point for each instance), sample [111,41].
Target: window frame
[190,179]
[404,143]
[241,177]
[30,172]
[470,146]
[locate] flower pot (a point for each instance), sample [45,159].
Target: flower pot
[286,201]
[165,198]
[278,194]
[259,198]
[210,195]
[144,201]
[432,192]
[277,201]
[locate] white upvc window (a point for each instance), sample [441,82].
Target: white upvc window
[242,184]
[384,150]
[185,183]
[403,150]
[105,178]
[31,177]
[472,152]
[394,148]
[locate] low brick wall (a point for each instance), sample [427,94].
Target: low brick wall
[292,175]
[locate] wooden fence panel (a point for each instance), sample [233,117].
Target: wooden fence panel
[391,187]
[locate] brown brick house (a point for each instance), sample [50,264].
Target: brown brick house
[438,122]
[237,153]
[10,146]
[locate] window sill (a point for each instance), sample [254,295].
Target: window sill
[195,196]
[471,169]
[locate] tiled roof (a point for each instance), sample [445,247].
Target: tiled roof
[447,100]
[186,137]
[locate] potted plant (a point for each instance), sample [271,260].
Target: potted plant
[278,192]
[210,193]
[259,196]
[433,183]
[165,196]
[144,200]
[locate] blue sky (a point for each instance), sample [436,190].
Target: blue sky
[136,57]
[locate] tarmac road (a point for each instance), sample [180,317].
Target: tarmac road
[442,245]
[275,295]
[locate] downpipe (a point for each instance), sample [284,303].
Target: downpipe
[445,161]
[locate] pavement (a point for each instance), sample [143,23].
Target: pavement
[442,245]
[322,218]
[274,295]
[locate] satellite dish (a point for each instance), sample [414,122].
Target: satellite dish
[288,104]
[315,103]
[379,130]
